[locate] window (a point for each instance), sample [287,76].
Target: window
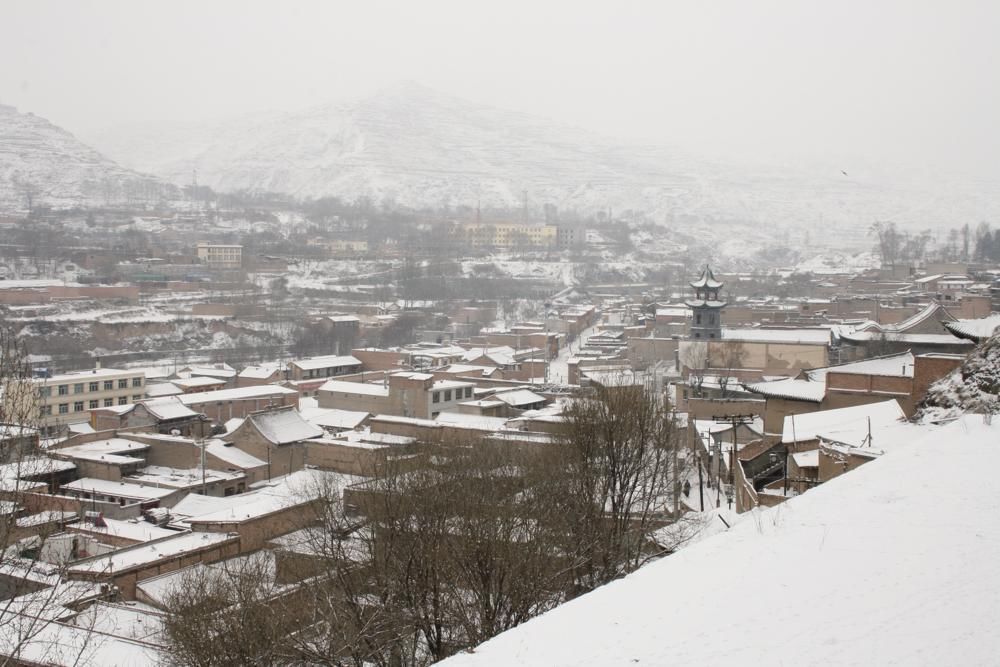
[109,385]
[136,397]
[447,395]
[136,382]
[468,392]
[94,386]
[63,389]
[108,402]
[63,408]
[78,388]
[44,392]
[123,384]
[46,410]
[436,397]
[697,318]
[78,406]
[94,403]
[123,400]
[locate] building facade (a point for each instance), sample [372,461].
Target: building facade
[220,256]
[67,398]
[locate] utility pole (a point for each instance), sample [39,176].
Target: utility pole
[204,488]
[736,421]
[701,485]
[677,472]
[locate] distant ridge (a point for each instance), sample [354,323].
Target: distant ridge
[414,146]
[43,164]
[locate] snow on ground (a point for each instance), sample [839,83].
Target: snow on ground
[891,564]
[838,262]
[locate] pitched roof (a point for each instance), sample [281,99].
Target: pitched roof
[974,330]
[519,397]
[707,279]
[791,388]
[168,407]
[283,426]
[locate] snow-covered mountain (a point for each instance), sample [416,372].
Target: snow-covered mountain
[41,163]
[418,147]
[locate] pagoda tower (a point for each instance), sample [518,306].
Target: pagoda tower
[706,307]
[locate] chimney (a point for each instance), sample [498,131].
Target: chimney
[97,364]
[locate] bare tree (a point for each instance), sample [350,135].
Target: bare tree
[32,565]
[889,242]
[730,359]
[622,465]
[233,613]
[426,560]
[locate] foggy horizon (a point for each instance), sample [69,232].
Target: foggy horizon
[894,84]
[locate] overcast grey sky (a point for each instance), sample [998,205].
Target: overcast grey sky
[906,80]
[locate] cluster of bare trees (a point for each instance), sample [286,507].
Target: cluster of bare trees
[33,556]
[427,560]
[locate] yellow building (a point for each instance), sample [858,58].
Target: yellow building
[508,234]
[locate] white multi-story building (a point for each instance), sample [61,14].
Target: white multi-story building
[67,398]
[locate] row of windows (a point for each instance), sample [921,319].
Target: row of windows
[436,396]
[331,371]
[84,387]
[78,406]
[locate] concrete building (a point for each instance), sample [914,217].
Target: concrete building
[67,398]
[220,256]
[406,394]
[323,367]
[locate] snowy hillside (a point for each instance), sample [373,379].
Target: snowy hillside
[418,147]
[890,564]
[975,386]
[48,165]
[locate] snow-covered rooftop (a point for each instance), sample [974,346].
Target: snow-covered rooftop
[519,397]
[169,407]
[886,565]
[465,420]
[912,339]
[239,393]
[975,330]
[261,372]
[791,388]
[122,489]
[232,455]
[895,365]
[355,388]
[284,426]
[811,425]
[330,361]
[788,336]
[334,418]
[151,552]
